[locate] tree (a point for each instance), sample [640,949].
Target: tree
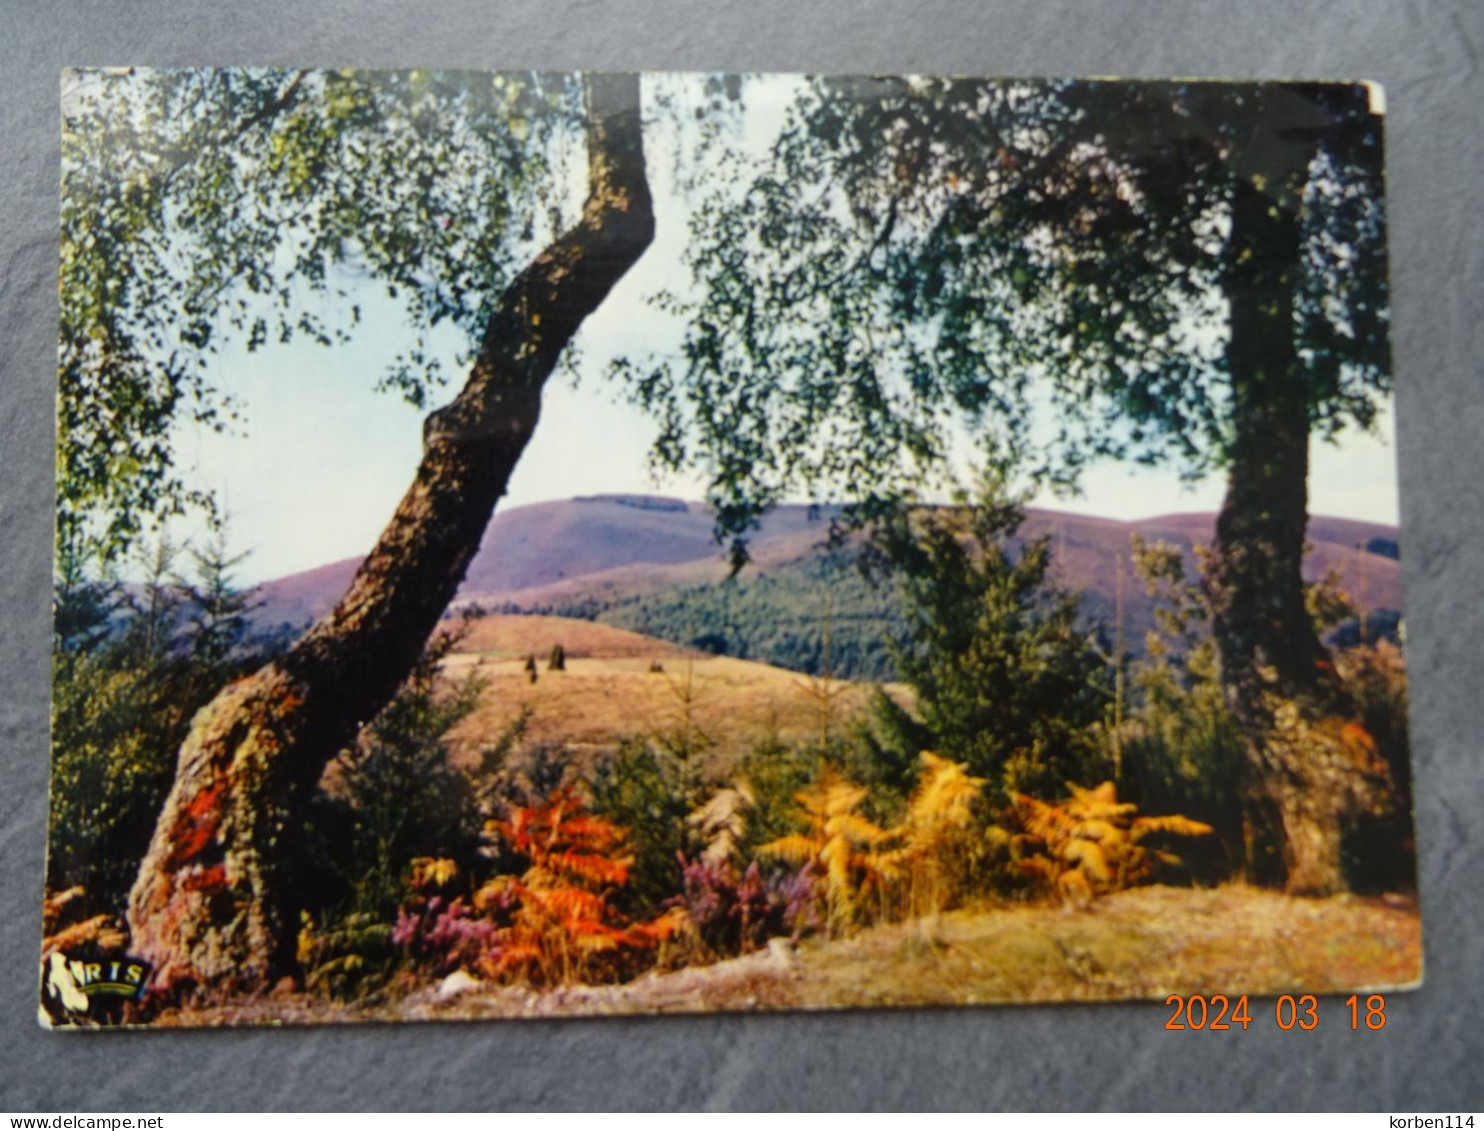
[127,675]
[213,902]
[1185,273]
[399,794]
[1006,679]
[866,285]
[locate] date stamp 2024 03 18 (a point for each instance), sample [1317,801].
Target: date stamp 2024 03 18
[1218,1011]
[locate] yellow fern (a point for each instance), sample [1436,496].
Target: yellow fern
[432,872]
[841,846]
[937,835]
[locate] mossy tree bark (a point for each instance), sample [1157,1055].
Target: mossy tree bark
[213,905]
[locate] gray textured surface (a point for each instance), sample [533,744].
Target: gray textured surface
[1058,1057]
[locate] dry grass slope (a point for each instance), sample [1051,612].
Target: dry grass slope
[608,690]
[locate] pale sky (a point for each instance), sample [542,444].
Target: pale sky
[322,460]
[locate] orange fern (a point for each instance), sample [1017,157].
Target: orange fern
[562,927]
[1090,843]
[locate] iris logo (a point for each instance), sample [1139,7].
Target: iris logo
[74,984]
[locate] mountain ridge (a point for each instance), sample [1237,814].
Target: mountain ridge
[612,546]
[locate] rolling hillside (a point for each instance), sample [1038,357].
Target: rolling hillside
[651,564]
[546,545]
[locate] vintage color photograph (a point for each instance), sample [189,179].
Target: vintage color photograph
[573,544]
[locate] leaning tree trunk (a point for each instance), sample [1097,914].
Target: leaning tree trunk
[213,904]
[1312,762]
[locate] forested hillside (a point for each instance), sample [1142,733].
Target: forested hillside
[651,564]
[814,615]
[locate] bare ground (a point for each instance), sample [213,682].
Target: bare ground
[1144,943]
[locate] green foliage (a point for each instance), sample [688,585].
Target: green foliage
[1182,748]
[648,792]
[1183,751]
[773,774]
[680,736]
[1379,850]
[213,205]
[393,802]
[1006,678]
[1328,605]
[116,725]
[872,277]
[130,667]
[869,283]
[516,773]
[775,615]
[218,611]
[353,958]
[883,752]
[916,249]
[395,797]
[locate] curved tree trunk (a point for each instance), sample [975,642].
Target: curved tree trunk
[213,904]
[1312,762]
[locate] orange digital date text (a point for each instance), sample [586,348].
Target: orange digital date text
[1217,1011]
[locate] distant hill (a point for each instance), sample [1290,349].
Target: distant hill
[652,565]
[531,547]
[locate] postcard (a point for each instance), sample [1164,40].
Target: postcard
[572,544]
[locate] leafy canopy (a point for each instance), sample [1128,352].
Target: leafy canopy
[896,258]
[202,206]
[1050,262]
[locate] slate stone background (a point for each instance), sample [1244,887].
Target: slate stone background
[1073,1057]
